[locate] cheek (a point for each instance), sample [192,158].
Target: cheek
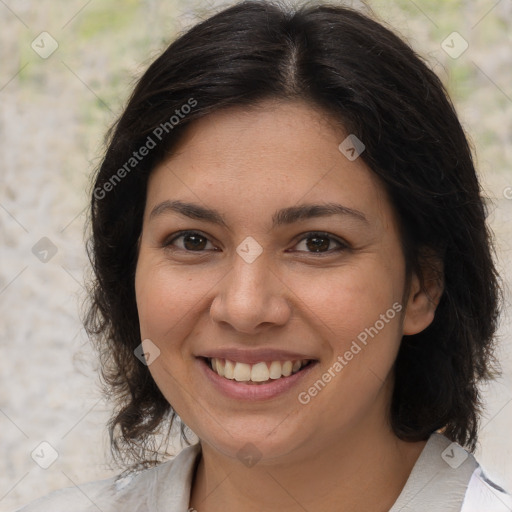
[166,297]
[358,314]
[171,300]
[166,300]
[348,299]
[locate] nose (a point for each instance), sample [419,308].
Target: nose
[251,298]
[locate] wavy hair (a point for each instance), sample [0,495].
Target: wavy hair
[368,79]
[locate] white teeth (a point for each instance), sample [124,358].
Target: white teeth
[275,370]
[242,372]
[287,368]
[259,372]
[229,368]
[220,367]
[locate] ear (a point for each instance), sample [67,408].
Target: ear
[425,291]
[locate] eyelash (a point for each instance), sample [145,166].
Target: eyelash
[312,234]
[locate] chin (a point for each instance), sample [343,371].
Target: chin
[256,438]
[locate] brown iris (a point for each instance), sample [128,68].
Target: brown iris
[194,242]
[319,243]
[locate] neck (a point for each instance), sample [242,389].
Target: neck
[362,471]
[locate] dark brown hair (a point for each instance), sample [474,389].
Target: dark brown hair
[361,74]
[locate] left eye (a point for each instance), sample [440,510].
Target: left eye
[192,241]
[320,242]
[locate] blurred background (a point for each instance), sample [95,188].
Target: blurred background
[66,69]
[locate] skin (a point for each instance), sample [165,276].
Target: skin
[339,447]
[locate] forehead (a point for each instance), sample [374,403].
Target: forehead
[261,159]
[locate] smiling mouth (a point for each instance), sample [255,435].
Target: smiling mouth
[259,373]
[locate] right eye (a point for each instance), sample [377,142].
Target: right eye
[192,241]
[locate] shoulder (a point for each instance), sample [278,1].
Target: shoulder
[157,488]
[483,494]
[447,477]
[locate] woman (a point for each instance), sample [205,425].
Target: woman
[291,257]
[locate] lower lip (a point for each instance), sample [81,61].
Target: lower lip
[253,392]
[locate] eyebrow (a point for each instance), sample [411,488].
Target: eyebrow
[284,216]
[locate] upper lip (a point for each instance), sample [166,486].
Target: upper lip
[249,356]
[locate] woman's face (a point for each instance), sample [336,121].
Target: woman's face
[268,283]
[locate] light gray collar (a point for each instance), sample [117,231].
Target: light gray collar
[440,476]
